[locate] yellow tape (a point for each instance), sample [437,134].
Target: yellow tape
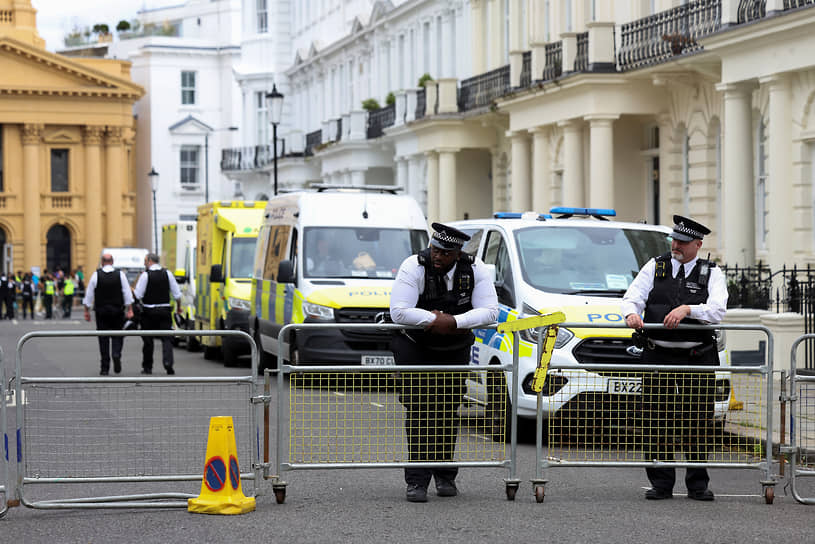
[539,377]
[532,322]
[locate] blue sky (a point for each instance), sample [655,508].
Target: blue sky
[55,18]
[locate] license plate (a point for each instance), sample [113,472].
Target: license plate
[377,360]
[625,386]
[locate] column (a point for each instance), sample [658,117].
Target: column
[415,186]
[601,161]
[779,188]
[448,45]
[541,171]
[667,159]
[356,177]
[515,46]
[32,134]
[447,185]
[113,185]
[432,186]
[92,137]
[495,47]
[499,181]
[738,200]
[573,191]
[521,189]
[402,173]
[477,52]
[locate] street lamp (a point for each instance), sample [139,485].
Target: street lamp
[274,103]
[153,175]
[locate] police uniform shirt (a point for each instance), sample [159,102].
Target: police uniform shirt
[90,290]
[711,311]
[141,287]
[409,284]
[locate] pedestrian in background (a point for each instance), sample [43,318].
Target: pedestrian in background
[109,294]
[154,288]
[49,288]
[673,289]
[68,289]
[27,296]
[7,294]
[448,293]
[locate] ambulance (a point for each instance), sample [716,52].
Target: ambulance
[330,256]
[226,236]
[178,243]
[577,261]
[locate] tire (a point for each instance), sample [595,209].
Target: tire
[497,395]
[231,357]
[265,360]
[211,353]
[193,343]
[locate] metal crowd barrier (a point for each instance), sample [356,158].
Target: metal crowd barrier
[5,484]
[334,417]
[109,431]
[802,424]
[640,415]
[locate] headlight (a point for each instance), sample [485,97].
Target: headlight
[563,336]
[721,339]
[239,304]
[315,311]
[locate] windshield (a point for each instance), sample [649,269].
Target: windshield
[334,252]
[591,260]
[243,256]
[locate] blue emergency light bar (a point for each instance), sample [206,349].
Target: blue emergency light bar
[521,215]
[599,213]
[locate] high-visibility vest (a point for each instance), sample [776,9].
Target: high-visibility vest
[49,287]
[68,289]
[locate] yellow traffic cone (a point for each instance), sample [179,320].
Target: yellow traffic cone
[734,404]
[221,491]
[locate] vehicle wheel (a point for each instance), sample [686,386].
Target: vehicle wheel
[211,353]
[279,493]
[512,490]
[265,360]
[769,494]
[539,493]
[499,409]
[230,353]
[193,343]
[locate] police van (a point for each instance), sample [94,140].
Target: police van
[330,255]
[577,261]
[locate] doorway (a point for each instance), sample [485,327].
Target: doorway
[58,249]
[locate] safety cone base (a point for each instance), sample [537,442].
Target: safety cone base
[221,491]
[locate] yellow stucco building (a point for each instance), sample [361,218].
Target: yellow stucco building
[67,155]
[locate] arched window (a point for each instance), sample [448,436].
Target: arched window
[58,249]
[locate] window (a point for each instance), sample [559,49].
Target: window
[187,88]
[262,16]
[262,118]
[189,167]
[761,186]
[496,253]
[59,170]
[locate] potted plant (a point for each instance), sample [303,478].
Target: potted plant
[370,104]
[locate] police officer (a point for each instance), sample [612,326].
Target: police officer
[447,292]
[27,296]
[7,292]
[153,288]
[109,294]
[48,294]
[673,289]
[67,296]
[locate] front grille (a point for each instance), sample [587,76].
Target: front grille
[363,339]
[357,315]
[605,351]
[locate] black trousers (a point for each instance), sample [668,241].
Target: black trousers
[157,319]
[678,414]
[48,302]
[8,306]
[27,306]
[431,401]
[67,305]
[107,344]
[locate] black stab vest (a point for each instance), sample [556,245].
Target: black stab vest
[668,293]
[108,296]
[158,287]
[456,301]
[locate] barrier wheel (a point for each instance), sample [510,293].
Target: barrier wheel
[279,493]
[512,490]
[539,493]
[769,495]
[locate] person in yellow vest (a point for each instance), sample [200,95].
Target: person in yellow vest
[48,295]
[67,296]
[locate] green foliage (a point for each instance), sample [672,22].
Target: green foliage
[101,28]
[122,26]
[370,104]
[390,99]
[424,79]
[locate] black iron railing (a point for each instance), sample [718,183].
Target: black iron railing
[553,66]
[751,10]
[664,35]
[339,129]
[581,59]
[250,158]
[313,139]
[526,69]
[793,4]
[421,102]
[379,120]
[480,91]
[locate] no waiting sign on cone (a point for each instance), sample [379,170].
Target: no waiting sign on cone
[221,491]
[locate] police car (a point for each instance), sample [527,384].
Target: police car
[577,261]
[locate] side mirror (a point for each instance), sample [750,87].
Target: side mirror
[216,274]
[180,276]
[285,271]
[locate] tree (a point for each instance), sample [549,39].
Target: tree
[122,26]
[101,29]
[390,99]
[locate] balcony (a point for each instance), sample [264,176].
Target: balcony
[581,59]
[245,158]
[421,103]
[526,69]
[313,139]
[379,120]
[480,91]
[668,34]
[553,66]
